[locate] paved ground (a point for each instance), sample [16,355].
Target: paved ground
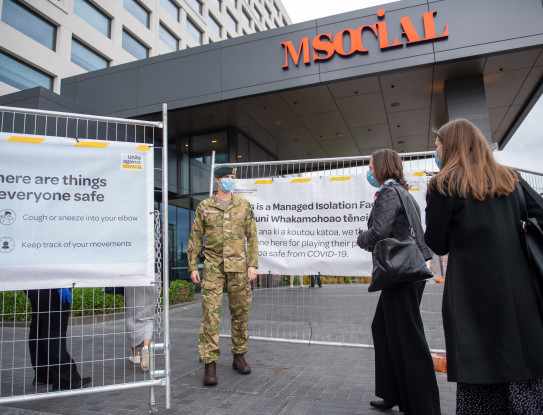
[287,379]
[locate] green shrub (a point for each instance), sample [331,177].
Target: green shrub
[181,291]
[92,301]
[15,306]
[88,301]
[286,280]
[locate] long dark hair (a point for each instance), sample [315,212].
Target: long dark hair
[387,164]
[468,166]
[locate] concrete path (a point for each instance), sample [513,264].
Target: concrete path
[286,379]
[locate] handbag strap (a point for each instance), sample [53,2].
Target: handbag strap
[522,201]
[404,204]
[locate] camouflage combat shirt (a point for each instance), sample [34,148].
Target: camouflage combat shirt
[225,232]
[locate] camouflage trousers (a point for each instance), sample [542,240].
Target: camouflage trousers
[239,301]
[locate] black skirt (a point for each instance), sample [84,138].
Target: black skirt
[514,398]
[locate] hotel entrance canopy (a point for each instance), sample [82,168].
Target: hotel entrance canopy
[344,85]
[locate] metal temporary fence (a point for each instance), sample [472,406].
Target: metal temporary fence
[98,328]
[285,308]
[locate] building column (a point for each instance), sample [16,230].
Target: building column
[466,98]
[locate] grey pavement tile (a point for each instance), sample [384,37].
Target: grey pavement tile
[287,379]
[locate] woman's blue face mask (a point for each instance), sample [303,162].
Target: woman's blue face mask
[436,157]
[227,184]
[372,180]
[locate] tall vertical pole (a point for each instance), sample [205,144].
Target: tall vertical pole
[165,254]
[211,177]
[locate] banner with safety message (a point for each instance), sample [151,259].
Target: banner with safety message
[75,212]
[309,225]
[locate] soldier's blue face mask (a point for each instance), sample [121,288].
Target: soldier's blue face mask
[227,184]
[371,179]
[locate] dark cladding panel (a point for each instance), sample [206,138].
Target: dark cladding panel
[107,94]
[257,63]
[182,77]
[68,88]
[487,26]
[394,5]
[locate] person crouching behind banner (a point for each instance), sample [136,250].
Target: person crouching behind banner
[226,221]
[404,370]
[47,340]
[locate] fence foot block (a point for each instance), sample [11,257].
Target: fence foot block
[440,362]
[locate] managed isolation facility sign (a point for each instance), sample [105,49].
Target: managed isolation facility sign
[75,211]
[308,225]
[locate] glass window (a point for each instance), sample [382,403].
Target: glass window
[258,14]
[168,38]
[171,8]
[194,31]
[213,24]
[134,46]
[29,23]
[138,11]
[20,75]
[196,5]
[93,16]
[217,4]
[276,8]
[269,12]
[246,17]
[86,57]
[232,21]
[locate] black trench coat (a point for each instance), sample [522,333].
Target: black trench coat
[493,327]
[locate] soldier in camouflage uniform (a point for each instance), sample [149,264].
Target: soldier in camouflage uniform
[226,221]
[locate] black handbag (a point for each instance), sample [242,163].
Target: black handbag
[398,262]
[532,242]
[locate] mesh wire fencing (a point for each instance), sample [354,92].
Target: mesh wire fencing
[339,310]
[100,323]
[326,309]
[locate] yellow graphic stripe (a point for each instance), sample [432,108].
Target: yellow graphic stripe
[264,182]
[93,144]
[143,148]
[300,180]
[418,173]
[131,166]
[29,140]
[414,189]
[340,179]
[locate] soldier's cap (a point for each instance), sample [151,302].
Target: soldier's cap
[222,171]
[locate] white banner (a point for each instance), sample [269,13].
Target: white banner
[75,212]
[310,225]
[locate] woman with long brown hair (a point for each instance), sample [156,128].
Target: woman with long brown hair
[404,371]
[493,327]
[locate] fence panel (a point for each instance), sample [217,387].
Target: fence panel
[287,308]
[100,325]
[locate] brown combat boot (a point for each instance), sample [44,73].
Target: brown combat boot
[210,375]
[241,365]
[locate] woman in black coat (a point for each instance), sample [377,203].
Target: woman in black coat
[493,327]
[404,371]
